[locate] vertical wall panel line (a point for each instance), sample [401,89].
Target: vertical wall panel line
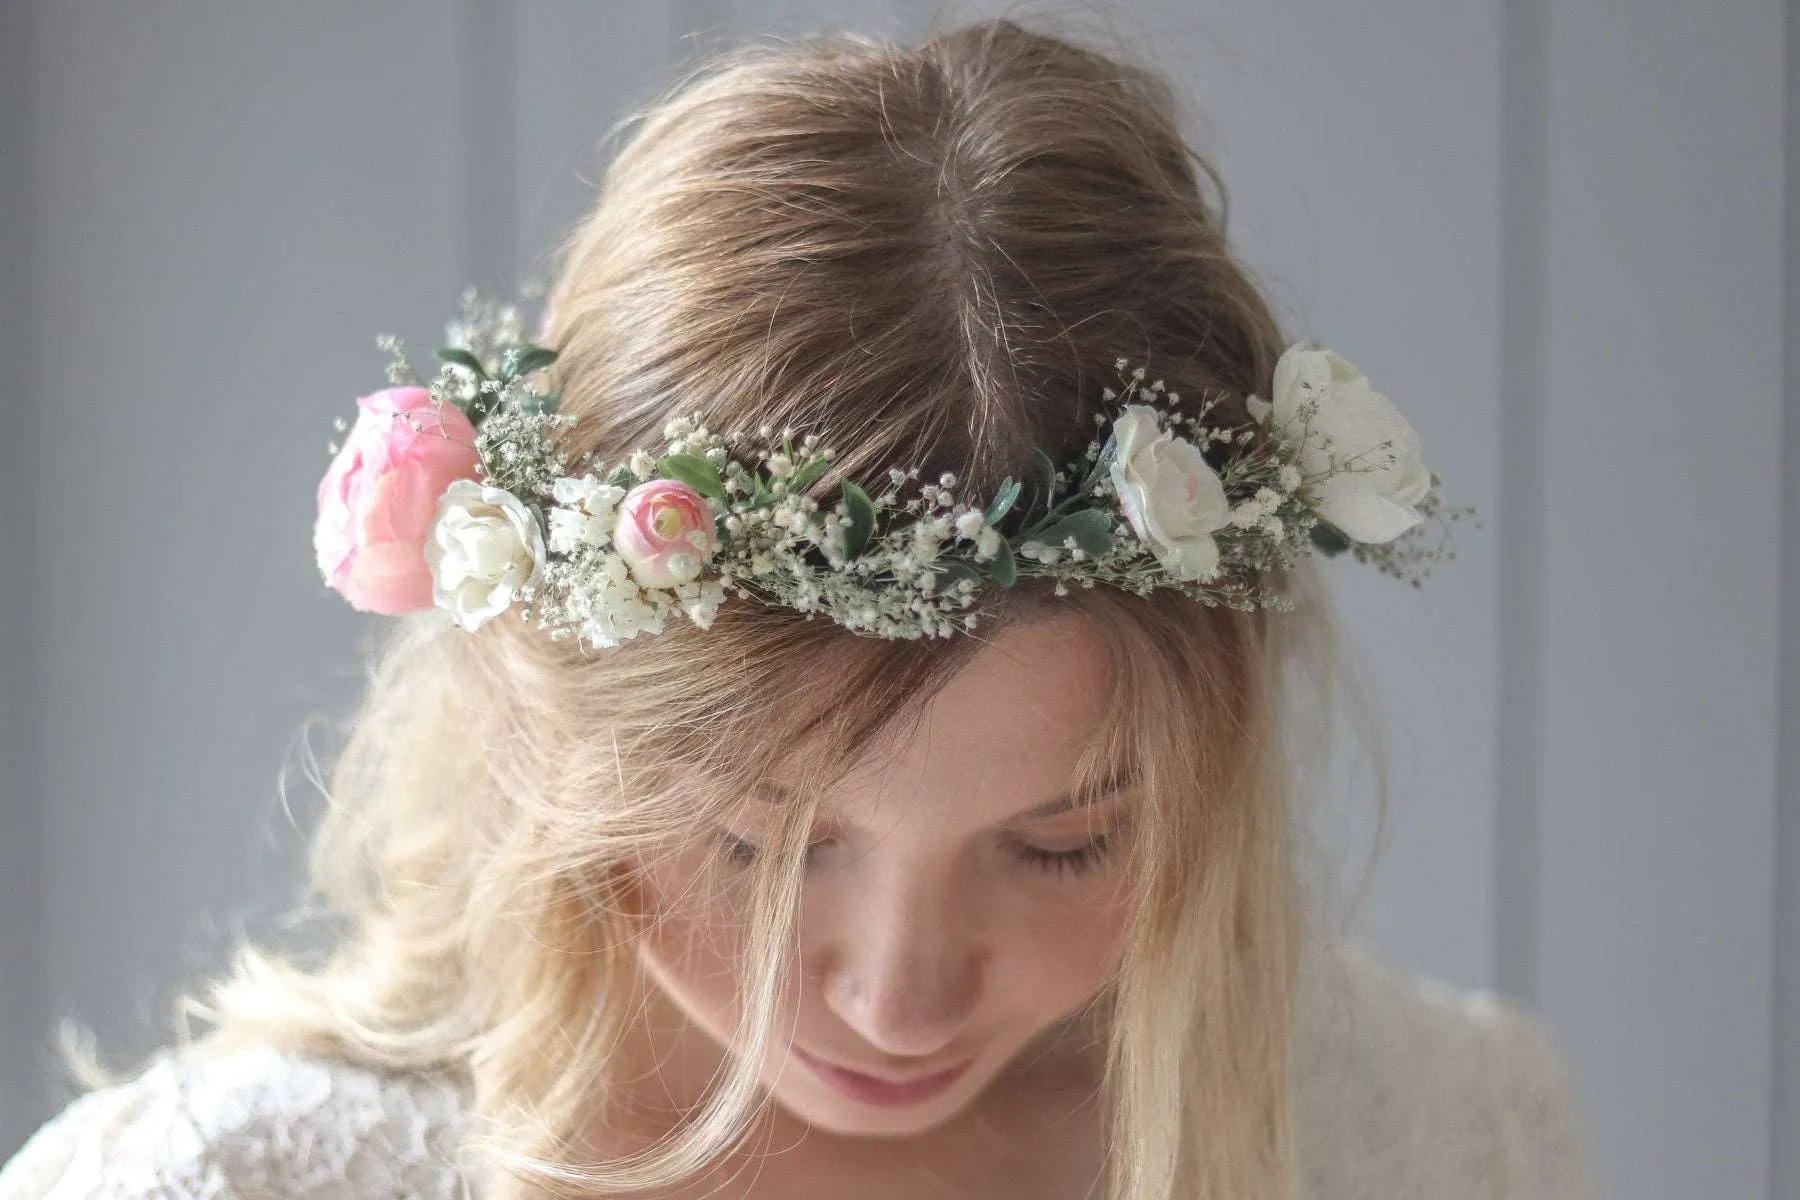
[1524,221]
[24,1041]
[486,139]
[1784,1109]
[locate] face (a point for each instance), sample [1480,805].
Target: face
[957,912]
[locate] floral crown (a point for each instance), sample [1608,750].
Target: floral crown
[460,496]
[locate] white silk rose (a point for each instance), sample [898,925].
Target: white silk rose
[484,547]
[1170,494]
[1362,459]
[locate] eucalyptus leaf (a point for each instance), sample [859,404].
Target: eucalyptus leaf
[463,358]
[479,407]
[1003,500]
[951,571]
[1003,566]
[532,358]
[1101,464]
[1329,541]
[694,471]
[1040,473]
[473,413]
[808,475]
[621,476]
[861,510]
[1091,528]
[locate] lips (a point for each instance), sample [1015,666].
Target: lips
[882,1091]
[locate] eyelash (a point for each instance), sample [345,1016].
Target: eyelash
[741,852]
[1057,862]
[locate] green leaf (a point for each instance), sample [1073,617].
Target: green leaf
[541,402]
[531,358]
[1041,474]
[621,476]
[694,471]
[478,408]
[1109,448]
[1003,566]
[808,475]
[1329,541]
[464,410]
[1003,500]
[463,358]
[861,510]
[950,571]
[1091,528]
[1103,462]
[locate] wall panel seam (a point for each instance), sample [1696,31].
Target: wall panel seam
[25,1054]
[1784,1106]
[1524,217]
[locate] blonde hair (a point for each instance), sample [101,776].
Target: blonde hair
[931,255]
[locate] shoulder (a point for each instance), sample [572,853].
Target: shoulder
[1408,1086]
[248,1122]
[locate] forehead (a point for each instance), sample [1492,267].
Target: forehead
[1003,735]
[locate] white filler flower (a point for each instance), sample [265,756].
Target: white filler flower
[590,510]
[1362,459]
[1172,497]
[484,547]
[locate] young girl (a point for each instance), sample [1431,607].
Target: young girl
[841,734]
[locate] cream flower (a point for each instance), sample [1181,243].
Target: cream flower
[1172,497]
[1362,458]
[484,547]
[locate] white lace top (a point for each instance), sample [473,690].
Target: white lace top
[1405,1090]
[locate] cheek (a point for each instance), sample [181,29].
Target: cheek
[693,940]
[1056,957]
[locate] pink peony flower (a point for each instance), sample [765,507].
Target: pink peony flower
[665,533]
[379,498]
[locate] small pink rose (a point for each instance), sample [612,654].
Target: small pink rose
[379,498]
[665,533]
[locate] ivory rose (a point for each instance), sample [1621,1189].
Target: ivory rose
[1362,458]
[665,533]
[1172,497]
[378,499]
[485,546]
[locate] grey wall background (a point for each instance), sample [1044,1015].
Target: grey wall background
[1563,234]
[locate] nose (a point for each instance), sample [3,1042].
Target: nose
[905,970]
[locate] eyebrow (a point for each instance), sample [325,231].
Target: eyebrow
[1118,781]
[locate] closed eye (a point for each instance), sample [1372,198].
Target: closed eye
[1060,862]
[741,851]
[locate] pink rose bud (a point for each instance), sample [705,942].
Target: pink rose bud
[665,533]
[379,497]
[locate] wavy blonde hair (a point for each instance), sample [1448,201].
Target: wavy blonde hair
[930,255]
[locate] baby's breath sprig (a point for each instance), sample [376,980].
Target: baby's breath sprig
[1413,555]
